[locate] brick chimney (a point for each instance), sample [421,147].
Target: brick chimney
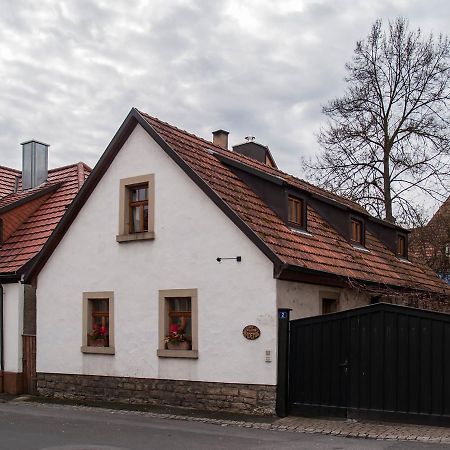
[220,138]
[34,163]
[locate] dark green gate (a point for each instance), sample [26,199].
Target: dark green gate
[380,361]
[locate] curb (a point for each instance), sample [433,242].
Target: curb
[350,429]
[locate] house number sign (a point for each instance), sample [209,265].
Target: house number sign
[251,332]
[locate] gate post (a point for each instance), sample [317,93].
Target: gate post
[283,362]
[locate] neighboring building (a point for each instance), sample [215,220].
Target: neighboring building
[175,236]
[32,202]
[431,243]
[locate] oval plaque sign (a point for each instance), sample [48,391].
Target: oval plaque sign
[251,332]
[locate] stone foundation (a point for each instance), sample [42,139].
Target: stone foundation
[231,397]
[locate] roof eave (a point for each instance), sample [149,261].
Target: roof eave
[292,272]
[29,198]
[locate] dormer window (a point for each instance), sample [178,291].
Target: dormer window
[296,212]
[356,231]
[401,246]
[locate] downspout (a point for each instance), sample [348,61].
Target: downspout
[2,359]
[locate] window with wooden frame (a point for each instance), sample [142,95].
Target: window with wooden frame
[356,231]
[401,246]
[98,322]
[296,211]
[178,323]
[137,208]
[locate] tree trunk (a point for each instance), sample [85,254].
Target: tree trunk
[387,184]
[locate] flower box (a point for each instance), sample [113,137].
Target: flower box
[185,345]
[100,342]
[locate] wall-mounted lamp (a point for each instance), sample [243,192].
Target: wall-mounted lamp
[237,258]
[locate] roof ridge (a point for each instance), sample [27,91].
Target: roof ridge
[10,168]
[263,166]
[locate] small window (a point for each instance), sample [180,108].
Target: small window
[178,323]
[98,322]
[296,211]
[401,246]
[136,208]
[329,305]
[357,231]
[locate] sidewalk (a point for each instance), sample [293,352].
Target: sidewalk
[370,430]
[335,427]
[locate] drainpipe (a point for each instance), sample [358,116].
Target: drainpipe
[2,359]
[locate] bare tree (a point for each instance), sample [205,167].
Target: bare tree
[387,138]
[430,242]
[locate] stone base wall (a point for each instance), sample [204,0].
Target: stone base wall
[231,397]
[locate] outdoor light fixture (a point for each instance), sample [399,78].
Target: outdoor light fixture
[237,258]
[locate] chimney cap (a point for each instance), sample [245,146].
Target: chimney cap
[35,140]
[220,131]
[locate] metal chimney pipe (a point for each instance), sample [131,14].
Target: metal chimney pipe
[34,163]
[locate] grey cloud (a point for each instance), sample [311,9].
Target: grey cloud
[72,70]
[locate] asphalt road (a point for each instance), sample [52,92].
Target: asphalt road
[32,426]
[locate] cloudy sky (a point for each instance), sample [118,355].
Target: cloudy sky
[70,71]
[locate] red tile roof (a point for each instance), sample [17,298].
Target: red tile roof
[7,180]
[32,233]
[324,249]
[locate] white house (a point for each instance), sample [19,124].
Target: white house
[175,234]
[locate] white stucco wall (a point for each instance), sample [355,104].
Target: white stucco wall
[13,326]
[191,232]
[305,299]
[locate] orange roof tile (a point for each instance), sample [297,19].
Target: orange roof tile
[7,180]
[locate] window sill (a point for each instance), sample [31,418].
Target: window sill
[300,231]
[98,350]
[360,248]
[403,259]
[147,236]
[164,353]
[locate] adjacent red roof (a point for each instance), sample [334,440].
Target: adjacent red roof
[34,214]
[324,249]
[7,180]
